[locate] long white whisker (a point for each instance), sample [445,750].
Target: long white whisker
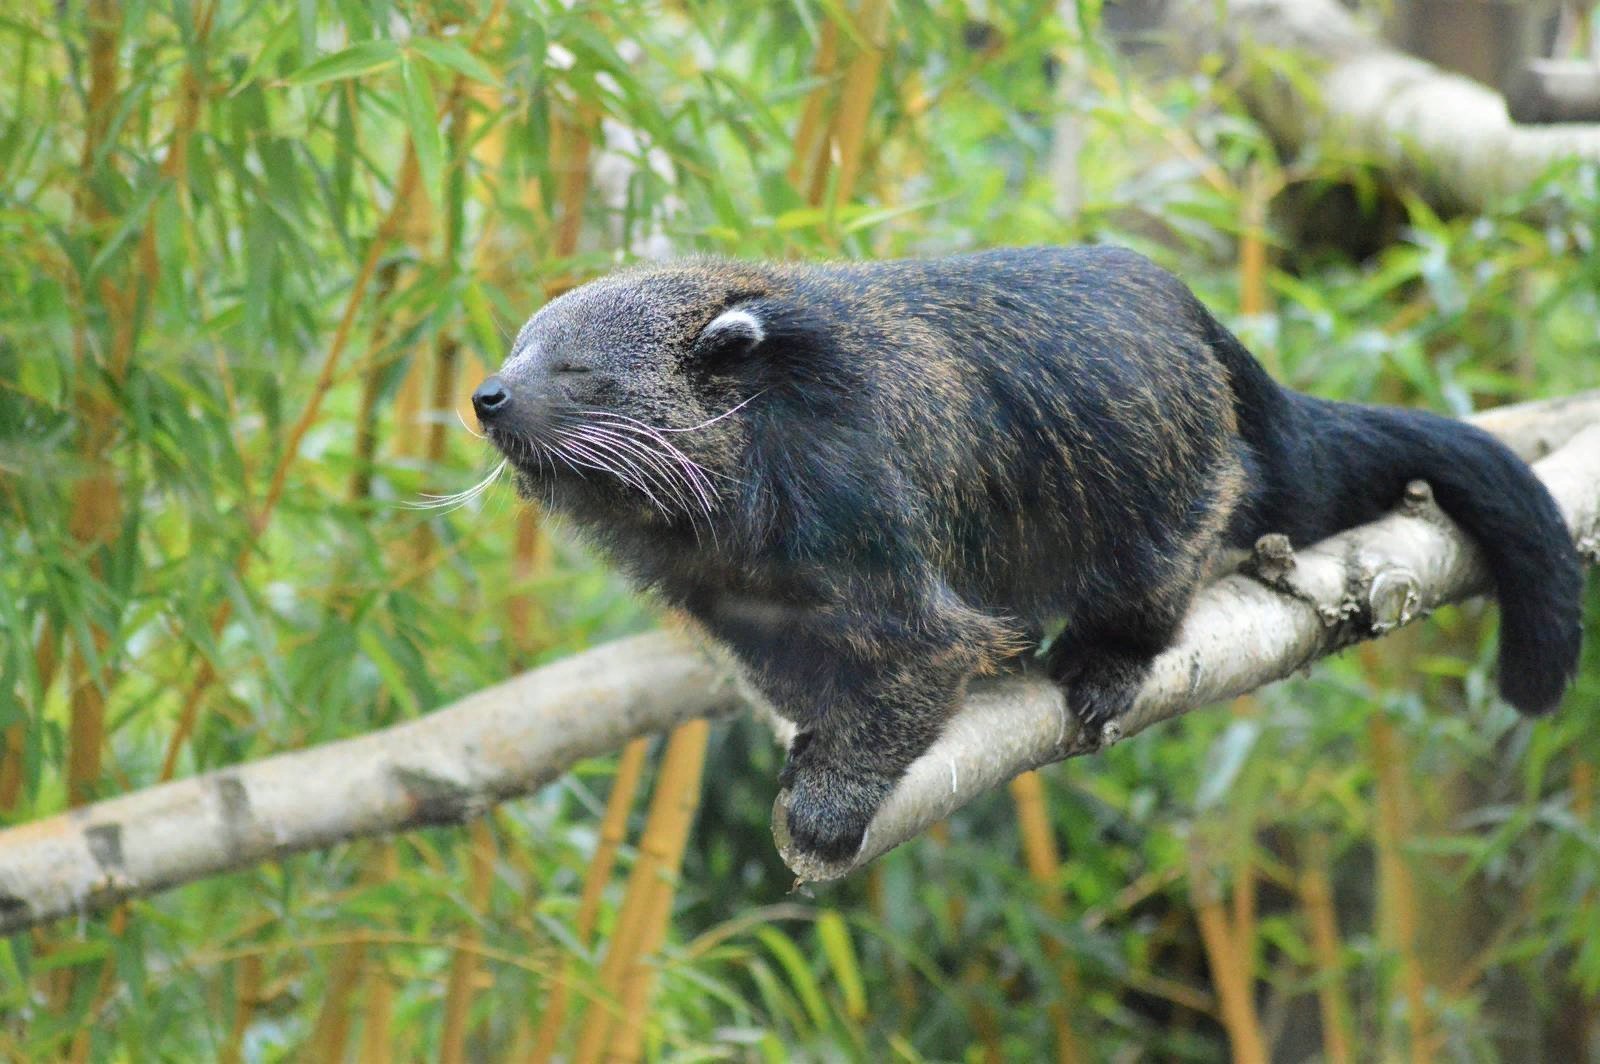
[692,471]
[640,428]
[457,499]
[635,453]
[470,430]
[585,453]
[656,466]
[667,470]
[557,452]
[735,408]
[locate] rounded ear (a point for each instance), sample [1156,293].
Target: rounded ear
[728,337]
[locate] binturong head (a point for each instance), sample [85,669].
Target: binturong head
[626,398]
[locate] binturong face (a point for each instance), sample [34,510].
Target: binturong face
[626,397]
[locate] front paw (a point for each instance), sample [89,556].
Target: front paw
[827,810]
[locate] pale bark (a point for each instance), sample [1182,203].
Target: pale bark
[1556,90]
[1448,131]
[443,768]
[510,739]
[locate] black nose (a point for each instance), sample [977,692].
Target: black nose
[490,399]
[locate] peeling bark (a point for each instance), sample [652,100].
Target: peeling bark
[510,739]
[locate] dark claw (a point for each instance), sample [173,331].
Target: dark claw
[1101,687]
[1095,705]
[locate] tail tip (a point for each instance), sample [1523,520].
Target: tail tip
[1535,684]
[1533,704]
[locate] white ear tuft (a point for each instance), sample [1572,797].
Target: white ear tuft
[734,324]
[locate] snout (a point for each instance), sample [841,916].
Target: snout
[520,398]
[492,400]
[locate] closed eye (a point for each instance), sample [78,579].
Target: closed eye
[571,367]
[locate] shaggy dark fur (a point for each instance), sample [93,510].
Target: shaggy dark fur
[875,481]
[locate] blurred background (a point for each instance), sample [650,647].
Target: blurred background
[258,253]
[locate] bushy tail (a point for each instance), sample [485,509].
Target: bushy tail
[1497,499]
[1370,453]
[1316,467]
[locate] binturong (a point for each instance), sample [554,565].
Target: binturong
[876,481]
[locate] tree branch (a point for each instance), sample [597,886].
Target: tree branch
[500,743]
[510,739]
[1447,130]
[1556,90]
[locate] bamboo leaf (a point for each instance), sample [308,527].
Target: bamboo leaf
[133,221]
[375,644]
[841,953]
[451,56]
[423,123]
[356,60]
[278,39]
[799,972]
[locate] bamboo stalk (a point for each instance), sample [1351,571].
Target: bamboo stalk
[366,445]
[613,832]
[1399,927]
[464,966]
[660,851]
[97,499]
[381,866]
[809,134]
[1253,247]
[447,348]
[331,1031]
[460,987]
[1230,972]
[446,362]
[415,230]
[530,558]
[570,150]
[96,505]
[683,796]
[1044,868]
[849,130]
[1316,903]
[246,996]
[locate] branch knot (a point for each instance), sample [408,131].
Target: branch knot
[1272,561]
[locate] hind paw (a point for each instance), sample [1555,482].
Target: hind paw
[1100,688]
[1096,705]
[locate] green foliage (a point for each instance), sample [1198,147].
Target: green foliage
[284,226]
